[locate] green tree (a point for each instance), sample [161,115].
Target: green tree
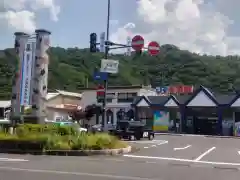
[70,68]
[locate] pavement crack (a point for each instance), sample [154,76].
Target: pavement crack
[179,164]
[226,168]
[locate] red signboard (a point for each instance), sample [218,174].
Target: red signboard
[137,42]
[153,48]
[100,90]
[180,89]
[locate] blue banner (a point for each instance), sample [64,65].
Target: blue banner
[100,76]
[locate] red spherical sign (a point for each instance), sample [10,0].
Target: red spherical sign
[137,42]
[100,90]
[153,48]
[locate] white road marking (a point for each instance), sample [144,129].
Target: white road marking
[150,162]
[148,142]
[13,160]
[161,143]
[182,160]
[182,148]
[112,176]
[239,152]
[204,154]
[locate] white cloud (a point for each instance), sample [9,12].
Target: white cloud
[189,24]
[19,15]
[20,20]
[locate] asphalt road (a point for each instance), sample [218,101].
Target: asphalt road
[166,158]
[213,151]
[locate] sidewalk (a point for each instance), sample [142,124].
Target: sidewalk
[180,134]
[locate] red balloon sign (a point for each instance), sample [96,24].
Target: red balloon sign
[153,48]
[137,42]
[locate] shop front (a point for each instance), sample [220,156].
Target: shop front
[200,113]
[151,110]
[236,116]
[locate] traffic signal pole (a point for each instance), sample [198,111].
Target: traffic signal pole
[108,46]
[106,57]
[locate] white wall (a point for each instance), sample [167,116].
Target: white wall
[89,97]
[147,92]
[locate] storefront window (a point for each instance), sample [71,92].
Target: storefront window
[130,114]
[109,115]
[120,115]
[145,113]
[126,97]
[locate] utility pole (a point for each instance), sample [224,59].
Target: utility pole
[106,57]
[137,44]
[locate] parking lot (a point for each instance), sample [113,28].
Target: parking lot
[195,149]
[166,157]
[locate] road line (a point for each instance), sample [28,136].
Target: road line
[73,173]
[164,142]
[151,162]
[116,160]
[204,154]
[182,160]
[239,152]
[154,145]
[146,147]
[175,149]
[149,142]
[10,159]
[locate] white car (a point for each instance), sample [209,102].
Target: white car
[82,129]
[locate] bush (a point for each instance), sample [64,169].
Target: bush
[56,137]
[14,142]
[97,141]
[24,129]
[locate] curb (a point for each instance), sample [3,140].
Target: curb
[170,134]
[230,137]
[73,152]
[196,135]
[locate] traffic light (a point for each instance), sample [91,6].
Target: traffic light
[93,42]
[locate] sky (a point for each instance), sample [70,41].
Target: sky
[201,26]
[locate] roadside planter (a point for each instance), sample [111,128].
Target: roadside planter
[62,140]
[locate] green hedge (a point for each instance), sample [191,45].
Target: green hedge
[24,129]
[54,142]
[56,137]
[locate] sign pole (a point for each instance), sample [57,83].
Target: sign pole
[106,57]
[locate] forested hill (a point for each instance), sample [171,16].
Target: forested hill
[71,68]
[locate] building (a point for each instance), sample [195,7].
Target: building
[58,105]
[4,109]
[118,98]
[203,112]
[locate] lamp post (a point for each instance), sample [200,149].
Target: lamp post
[106,57]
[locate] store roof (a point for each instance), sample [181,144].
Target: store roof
[220,99]
[51,95]
[67,93]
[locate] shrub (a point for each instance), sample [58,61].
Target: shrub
[13,142]
[56,137]
[61,145]
[97,141]
[24,129]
